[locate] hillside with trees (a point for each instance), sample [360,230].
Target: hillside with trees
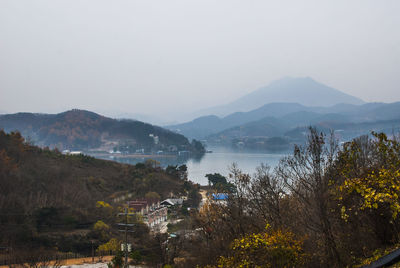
[84,130]
[68,203]
[323,206]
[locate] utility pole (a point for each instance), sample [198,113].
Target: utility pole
[126,225]
[92,251]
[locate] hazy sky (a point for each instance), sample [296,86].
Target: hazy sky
[163,57]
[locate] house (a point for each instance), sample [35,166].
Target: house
[140,151]
[68,152]
[157,216]
[140,206]
[172,148]
[172,202]
[156,139]
[219,197]
[153,214]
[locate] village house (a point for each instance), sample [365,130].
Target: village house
[170,202]
[152,212]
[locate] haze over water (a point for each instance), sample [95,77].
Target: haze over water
[222,159]
[219,161]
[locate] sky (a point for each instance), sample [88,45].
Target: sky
[166,58]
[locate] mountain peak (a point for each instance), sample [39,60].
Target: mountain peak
[290,79]
[299,83]
[303,90]
[80,113]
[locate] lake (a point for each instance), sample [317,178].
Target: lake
[218,161]
[221,159]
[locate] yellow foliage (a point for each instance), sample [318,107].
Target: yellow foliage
[377,189]
[100,226]
[268,249]
[377,254]
[112,245]
[378,186]
[102,204]
[102,229]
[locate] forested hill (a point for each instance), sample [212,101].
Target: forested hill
[48,199]
[82,130]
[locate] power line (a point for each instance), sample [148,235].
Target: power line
[126,225]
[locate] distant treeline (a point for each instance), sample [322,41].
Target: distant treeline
[83,130]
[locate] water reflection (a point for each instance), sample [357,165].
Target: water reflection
[162,159]
[222,159]
[218,161]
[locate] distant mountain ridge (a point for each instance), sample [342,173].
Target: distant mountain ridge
[279,119]
[203,126]
[83,130]
[301,90]
[348,121]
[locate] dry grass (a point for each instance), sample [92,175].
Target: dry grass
[78,261]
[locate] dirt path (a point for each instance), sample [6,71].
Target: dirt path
[80,261]
[86,260]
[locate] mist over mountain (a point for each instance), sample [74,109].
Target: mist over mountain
[348,122]
[302,90]
[201,127]
[289,121]
[296,114]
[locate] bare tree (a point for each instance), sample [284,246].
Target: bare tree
[306,175]
[265,193]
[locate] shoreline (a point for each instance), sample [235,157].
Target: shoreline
[111,156]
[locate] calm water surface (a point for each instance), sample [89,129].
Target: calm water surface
[221,159]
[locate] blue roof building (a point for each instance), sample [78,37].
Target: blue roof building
[220,196]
